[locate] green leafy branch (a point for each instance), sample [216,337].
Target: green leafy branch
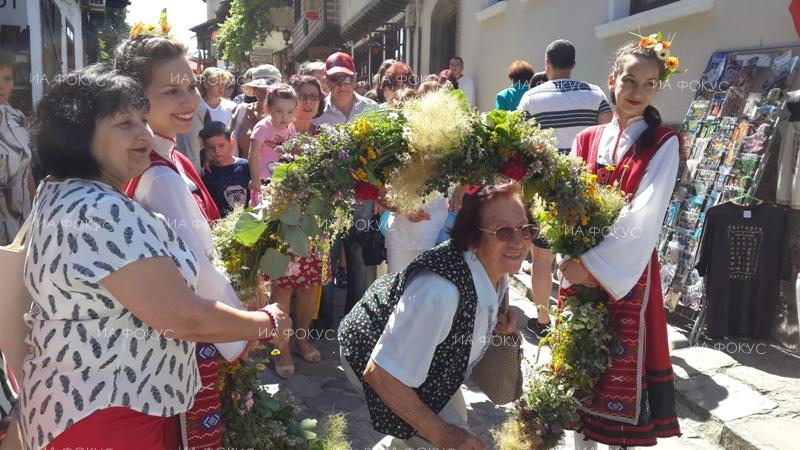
[247,25]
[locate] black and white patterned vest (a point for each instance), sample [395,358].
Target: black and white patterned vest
[363,326]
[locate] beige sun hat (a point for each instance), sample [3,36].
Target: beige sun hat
[264,76]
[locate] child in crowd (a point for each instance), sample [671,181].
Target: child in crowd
[271,131]
[227,178]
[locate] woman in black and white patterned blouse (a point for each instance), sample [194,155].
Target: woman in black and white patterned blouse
[115,316]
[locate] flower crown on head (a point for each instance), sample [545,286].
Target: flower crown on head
[141,29]
[661,47]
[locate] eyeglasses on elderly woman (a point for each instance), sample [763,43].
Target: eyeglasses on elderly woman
[309,98]
[505,234]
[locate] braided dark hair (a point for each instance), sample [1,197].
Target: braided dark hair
[139,57]
[651,115]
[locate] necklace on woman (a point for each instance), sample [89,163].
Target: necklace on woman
[105,180]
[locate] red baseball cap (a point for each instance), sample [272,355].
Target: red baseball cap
[340,63]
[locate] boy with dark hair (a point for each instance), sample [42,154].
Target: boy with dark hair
[227,177]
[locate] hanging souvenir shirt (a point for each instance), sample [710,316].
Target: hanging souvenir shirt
[743,254]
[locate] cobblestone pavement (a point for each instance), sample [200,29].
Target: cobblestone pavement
[322,388]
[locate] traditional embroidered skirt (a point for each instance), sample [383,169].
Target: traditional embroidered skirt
[202,425]
[634,401]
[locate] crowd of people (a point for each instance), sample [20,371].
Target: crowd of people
[154,156]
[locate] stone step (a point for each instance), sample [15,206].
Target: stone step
[714,406]
[761,434]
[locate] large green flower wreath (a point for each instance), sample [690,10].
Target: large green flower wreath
[429,147]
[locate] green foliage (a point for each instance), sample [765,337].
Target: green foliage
[249,228]
[108,35]
[332,434]
[247,25]
[258,420]
[581,352]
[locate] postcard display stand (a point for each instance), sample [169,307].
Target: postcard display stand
[727,136]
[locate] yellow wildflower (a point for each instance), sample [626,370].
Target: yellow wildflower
[611,168]
[492,138]
[234,368]
[362,175]
[371,153]
[585,221]
[363,160]
[626,166]
[672,63]
[136,30]
[275,352]
[586,240]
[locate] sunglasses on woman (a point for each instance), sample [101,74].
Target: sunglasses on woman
[309,98]
[505,234]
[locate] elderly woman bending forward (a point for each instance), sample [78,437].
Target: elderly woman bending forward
[414,337]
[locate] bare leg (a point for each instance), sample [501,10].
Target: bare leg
[542,281]
[284,362]
[581,444]
[304,307]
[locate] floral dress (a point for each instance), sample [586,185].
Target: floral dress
[305,272]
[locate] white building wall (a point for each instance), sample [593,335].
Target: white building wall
[211,8]
[349,9]
[525,28]
[37,64]
[70,12]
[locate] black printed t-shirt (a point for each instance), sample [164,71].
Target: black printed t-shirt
[743,254]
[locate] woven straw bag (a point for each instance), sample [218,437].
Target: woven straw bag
[499,373]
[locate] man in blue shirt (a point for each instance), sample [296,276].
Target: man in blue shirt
[227,178]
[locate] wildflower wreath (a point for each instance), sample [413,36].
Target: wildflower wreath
[430,146]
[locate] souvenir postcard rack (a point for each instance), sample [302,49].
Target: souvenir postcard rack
[727,137]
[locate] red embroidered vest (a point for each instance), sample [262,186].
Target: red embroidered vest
[628,177]
[201,196]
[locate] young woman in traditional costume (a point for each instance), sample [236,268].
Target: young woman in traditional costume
[172,187]
[634,401]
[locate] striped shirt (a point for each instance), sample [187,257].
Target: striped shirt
[565,105]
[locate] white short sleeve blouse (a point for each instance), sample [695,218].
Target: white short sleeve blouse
[88,351]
